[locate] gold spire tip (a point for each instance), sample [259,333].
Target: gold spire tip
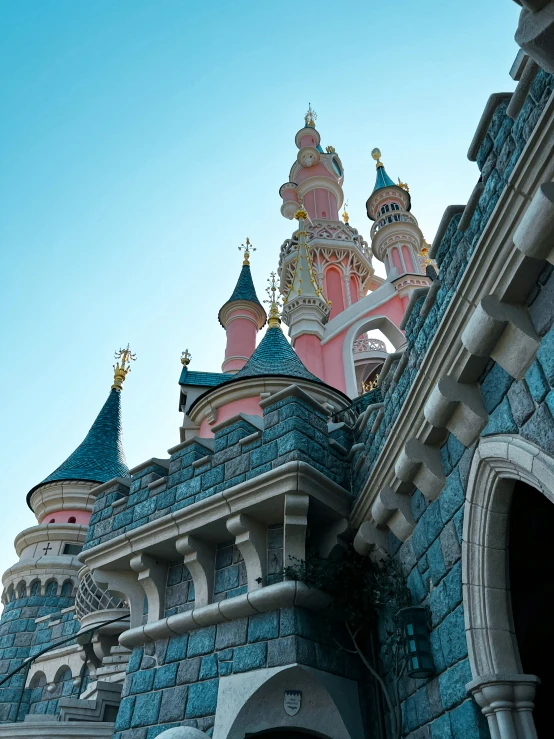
[376,154]
[273,320]
[310,117]
[345,216]
[186,356]
[122,367]
[247,249]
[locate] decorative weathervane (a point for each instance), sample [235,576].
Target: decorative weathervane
[273,320]
[376,154]
[122,367]
[247,249]
[310,117]
[186,356]
[345,215]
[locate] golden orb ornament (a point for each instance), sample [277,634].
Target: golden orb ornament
[376,154]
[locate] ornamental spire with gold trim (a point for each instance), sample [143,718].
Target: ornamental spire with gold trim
[274,320]
[311,117]
[122,367]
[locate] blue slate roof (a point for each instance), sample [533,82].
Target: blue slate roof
[383,180]
[100,456]
[244,289]
[274,356]
[210,379]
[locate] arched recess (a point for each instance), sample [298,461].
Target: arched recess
[334,290]
[330,704]
[499,686]
[381,323]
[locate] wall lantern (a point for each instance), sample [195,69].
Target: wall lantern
[414,627]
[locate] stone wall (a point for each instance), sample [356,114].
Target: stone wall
[30,622]
[174,682]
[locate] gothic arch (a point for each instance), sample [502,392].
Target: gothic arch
[498,463]
[371,323]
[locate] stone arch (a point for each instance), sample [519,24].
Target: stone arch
[368,323]
[67,589]
[38,680]
[34,587]
[330,703]
[21,589]
[51,587]
[498,463]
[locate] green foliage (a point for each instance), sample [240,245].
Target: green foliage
[360,588]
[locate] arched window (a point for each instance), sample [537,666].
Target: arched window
[72,519]
[394,206]
[21,590]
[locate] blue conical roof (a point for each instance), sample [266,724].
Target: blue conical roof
[382,180]
[244,289]
[100,456]
[274,356]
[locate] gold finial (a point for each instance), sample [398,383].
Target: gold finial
[403,185]
[376,154]
[186,356]
[247,249]
[122,367]
[273,321]
[310,117]
[301,212]
[330,149]
[345,215]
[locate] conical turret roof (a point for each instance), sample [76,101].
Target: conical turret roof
[382,179]
[100,456]
[244,289]
[275,356]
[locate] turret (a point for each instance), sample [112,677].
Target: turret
[305,309]
[315,178]
[242,316]
[396,239]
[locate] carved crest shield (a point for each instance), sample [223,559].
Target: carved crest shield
[292,701]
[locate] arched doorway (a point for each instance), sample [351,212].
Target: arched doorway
[508,476]
[531,571]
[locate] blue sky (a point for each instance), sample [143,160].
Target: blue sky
[143,140]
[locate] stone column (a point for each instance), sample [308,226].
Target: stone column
[507,703]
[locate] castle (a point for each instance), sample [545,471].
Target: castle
[156,601]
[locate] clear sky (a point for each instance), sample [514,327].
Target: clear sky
[141,141]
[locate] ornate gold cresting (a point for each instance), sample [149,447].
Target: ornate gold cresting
[403,185]
[376,154]
[186,356]
[273,321]
[345,216]
[371,385]
[310,117]
[330,149]
[247,249]
[122,367]
[424,252]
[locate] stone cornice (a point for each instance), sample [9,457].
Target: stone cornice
[252,386]
[62,495]
[261,496]
[280,595]
[50,532]
[496,268]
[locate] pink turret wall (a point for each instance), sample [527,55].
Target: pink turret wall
[241,331]
[334,291]
[81,517]
[248,406]
[309,349]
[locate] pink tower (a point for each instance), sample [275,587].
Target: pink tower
[331,294]
[242,316]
